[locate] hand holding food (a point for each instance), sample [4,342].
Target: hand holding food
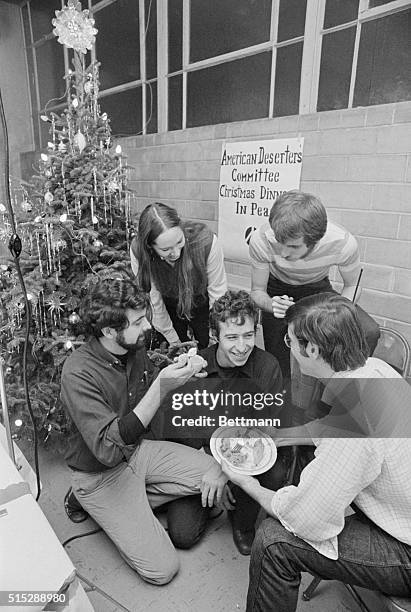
[196,362]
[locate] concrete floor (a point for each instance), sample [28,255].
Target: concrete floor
[213,575]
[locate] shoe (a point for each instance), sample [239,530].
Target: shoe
[243,540]
[73,508]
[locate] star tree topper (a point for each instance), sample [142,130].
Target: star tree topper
[74,28]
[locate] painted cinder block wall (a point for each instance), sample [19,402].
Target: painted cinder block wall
[358,161]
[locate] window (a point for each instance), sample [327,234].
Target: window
[174,64]
[46,63]
[384,67]
[364,53]
[229,92]
[126,47]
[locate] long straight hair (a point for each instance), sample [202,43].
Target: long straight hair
[154,220]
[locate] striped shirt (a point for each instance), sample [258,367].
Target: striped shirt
[372,472]
[336,248]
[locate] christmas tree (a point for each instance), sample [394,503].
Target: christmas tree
[74,223]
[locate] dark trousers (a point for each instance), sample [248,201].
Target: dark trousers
[198,322]
[246,508]
[275,329]
[368,557]
[187,519]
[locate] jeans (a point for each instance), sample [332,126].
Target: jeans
[368,557]
[275,329]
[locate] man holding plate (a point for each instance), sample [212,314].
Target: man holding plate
[235,366]
[348,518]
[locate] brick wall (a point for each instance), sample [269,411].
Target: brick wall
[357,161]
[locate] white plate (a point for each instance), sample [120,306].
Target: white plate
[233,436]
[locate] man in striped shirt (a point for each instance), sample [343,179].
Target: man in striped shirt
[291,257]
[362,462]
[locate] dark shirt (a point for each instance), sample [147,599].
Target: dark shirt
[261,369]
[100,393]
[260,374]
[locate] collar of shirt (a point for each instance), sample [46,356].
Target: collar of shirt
[99,350]
[213,367]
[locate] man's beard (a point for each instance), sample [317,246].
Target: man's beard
[128,346]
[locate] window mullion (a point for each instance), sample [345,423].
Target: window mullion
[354,64]
[186,56]
[310,51]
[142,38]
[275,11]
[162,66]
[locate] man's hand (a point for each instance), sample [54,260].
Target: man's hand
[177,374]
[236,478]
[280,305]
[212,487]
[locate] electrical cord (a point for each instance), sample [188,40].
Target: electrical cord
[15,247]
[80,535]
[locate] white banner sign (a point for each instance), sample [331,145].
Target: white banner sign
[252,176]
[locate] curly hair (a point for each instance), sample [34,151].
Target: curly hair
[330,321]
[296,214]
[106,303]
[232,305]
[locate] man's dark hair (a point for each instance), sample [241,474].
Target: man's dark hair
[296,214]
[331,322]
[234,305]
[106,302]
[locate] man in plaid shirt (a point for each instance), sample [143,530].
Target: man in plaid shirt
[362,462]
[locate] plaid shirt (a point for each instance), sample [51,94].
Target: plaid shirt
[372,472]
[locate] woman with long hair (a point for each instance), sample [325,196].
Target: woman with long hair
[181,264]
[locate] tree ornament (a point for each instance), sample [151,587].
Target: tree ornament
[68,345]
[98,244]
[2,208]
[59,244]
[113,186]
[63,218]
[62,147]
[54,302]
[44,157]
[74,318]
[48,197]
[94,220]
[18,422]
[74,103]
[80,140]
[26,206]
[88,87]
[74,28]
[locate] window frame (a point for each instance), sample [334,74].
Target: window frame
[312,38]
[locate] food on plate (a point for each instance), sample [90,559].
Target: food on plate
[244,451]
[258,451]
[196,362]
